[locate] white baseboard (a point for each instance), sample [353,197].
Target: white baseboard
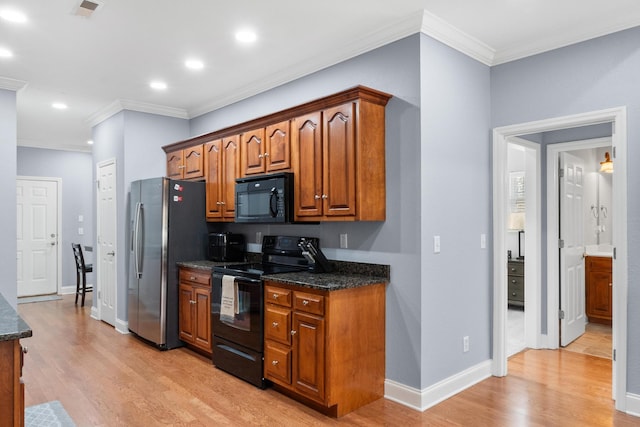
[66,290]
[122,326]
[633,404]
[422,400]
[94,312]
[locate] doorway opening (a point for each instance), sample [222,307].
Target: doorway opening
[547,329]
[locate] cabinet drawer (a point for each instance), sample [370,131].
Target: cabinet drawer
[516,268]
[516,289]
[195,276]
[279,296]
[277,362]
[309,303]
[598,264]
[277,324]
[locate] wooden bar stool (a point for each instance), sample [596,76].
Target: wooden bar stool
[81,273]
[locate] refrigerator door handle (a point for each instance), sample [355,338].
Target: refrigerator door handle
[136,239]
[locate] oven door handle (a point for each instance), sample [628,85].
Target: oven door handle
[239,279]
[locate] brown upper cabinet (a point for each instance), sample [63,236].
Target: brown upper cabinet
[339,161]
[186,164]
[222,165]
[335,146]
[267,149]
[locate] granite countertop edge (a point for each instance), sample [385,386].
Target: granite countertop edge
[337,280]
[12,327]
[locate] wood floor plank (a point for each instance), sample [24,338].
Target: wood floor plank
[104,378]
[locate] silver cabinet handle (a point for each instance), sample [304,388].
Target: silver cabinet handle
[275,296]
[274,363]
[293,333]
[316,197]
[274,324]
[305,302]
[266,154]
[324,196]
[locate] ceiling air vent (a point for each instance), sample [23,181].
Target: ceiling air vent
[87,7]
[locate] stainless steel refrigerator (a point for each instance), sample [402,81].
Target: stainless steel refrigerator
[167,225]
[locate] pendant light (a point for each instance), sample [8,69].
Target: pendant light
[607,165]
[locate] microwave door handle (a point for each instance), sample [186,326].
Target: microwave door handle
[273,202]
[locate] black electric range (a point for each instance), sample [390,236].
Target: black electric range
[237,304]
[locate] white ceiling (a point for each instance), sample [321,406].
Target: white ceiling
[103,63]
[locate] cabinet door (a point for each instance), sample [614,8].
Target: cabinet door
[175,165]
[202,332]
[307,141]
[230,171]
[599,301]
[278,154]
[213,171]
[339,174]
[193,162]
[308,355]
[253,151]
[185,308]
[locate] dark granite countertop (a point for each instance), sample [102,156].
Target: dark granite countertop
[346,275]
[326,281]
[12,327]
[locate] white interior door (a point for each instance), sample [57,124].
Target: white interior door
[37,236]
[106,254]
[572,286]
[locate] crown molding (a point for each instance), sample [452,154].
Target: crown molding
[48,145]
[142,107]
[439,29]
[11,84]
[548,44]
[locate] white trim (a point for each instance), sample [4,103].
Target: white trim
[633,404]
[617,116]
[441,30]
[67,290]
[422,400]
[142,107]
[58,182]
[122,326]
[12,84]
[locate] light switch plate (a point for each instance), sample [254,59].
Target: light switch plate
[436,244]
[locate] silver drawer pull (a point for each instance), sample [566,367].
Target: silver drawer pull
[274,363]
[293,332]
[274,324]
[305,302]
[192,278]
[275,296]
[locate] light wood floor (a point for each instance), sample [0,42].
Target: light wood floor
[596,341]
[104,378]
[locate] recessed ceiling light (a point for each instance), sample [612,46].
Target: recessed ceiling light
[13,15]
[59,105]
[5,53]
[194,64]
[158,85]
[246,36]
[90,142]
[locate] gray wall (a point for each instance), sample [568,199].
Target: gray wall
[134,139]
[594,75]
[455,205]
[8,247]
[75,169]
[393,69]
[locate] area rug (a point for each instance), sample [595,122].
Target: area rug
[39,298]
[48,414]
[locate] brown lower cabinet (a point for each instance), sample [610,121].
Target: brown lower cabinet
[195,309]
[326,348]
[11,385]
[599,292]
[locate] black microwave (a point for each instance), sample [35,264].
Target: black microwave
[265,198]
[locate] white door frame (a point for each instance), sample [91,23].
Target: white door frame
[96,310]
[58,181]
[618,118]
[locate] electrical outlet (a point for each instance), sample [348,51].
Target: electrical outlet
[80,231]
[483,241]
[344,244]
[465,344]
